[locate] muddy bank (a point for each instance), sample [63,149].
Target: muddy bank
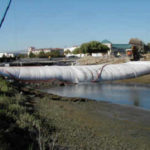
[143,80]
[79,123]
[87,124]
[124,112]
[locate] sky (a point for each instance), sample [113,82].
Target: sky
[66,23]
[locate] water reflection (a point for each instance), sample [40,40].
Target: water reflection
[135,97]
[116,93]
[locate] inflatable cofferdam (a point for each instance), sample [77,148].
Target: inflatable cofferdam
[76,74]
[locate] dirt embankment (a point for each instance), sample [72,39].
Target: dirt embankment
[89,60]
[143,80]
[146,57]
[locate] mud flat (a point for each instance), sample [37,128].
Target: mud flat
[88,124]
[34,119]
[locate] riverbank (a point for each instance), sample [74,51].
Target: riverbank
[89,60]
[53,122]
[139,80]
[85,124]
[97,125]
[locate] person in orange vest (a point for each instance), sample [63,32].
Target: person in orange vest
[129,53]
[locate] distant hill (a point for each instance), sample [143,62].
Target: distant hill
[18,52]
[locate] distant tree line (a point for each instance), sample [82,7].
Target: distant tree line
[45,55]
[7,59]
[91,47]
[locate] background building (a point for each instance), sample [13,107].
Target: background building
[107,43]
[71,49]
[45,50]
[115,48]
[7,55]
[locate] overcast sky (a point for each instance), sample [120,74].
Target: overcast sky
[63,23]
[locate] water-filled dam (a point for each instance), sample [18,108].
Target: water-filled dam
[76,74]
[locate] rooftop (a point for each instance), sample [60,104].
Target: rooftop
[122,46]
[106,41]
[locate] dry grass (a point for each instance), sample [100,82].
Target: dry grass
[89,60]
[139,80]
[146,57]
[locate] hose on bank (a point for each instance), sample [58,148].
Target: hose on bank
[100,73]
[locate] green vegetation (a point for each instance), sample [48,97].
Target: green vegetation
[4,86]
[91,47]
[141,46]
[146,48]
[45,55]
[12,108]
[67,51]
[21,128]
[23,55]
[7,59]
[78,51]
[31,55]
[32,120]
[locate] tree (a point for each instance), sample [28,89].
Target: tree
[135,41]
[55,54]
[77,51]
[138,43]
[91,47]
[31,55]
[42,55]
[146,48]
[148,45]
[67,51]
[104,48]
[22,55]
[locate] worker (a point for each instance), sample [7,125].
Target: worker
[135,52]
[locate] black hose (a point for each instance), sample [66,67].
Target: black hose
[4,16]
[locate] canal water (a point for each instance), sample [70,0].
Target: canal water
[135,95]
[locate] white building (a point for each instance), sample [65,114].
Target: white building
[8,55]
[107,43]
[71,49]
[45,50]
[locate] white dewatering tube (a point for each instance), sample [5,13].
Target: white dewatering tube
[76,74]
